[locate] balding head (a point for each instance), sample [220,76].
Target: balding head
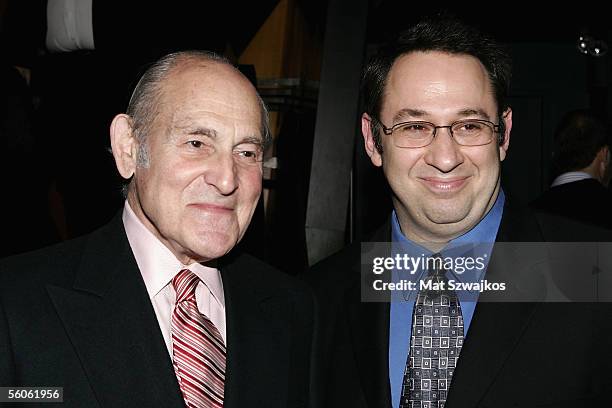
[192,146]
[144,105]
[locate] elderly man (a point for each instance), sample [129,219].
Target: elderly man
[437,123]
[151,310]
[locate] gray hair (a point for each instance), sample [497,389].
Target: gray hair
[144,105]
[144,102]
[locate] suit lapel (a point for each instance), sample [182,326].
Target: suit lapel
[369,332]
[494,332]
[111,323]
[258,332]
[496,327]
[369,323]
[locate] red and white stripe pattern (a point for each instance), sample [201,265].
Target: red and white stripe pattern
[197,348]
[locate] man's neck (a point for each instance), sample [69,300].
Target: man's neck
[438,236]
[433,241]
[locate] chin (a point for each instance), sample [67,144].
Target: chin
[447,215]
[212,245]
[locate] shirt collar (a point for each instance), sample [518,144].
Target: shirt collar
[157,263]
[570,177]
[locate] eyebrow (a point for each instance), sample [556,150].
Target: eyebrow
[188,126]
[407,113]
[212,133]
[204,131]
[474,112]
[251,139]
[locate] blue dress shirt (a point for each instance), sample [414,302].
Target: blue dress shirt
[481,237]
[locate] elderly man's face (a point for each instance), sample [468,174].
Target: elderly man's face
[202,185]
[442,190]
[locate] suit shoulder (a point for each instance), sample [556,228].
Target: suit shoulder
[249,274]
[336,269]
[266,274]
[50,264]
[558,228]
[57,264]
[344,265]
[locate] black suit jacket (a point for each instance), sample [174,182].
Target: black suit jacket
[585,200]
[78,316]
[520,354]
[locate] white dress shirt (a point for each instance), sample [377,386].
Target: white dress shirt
[570,177]
[158,266]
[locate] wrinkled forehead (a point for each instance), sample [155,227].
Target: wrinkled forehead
[211,87]
[212,78]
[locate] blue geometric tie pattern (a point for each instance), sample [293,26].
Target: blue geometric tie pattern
[435,344]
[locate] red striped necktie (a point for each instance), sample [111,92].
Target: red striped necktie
[198,350]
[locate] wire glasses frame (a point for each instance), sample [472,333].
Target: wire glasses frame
[468,132]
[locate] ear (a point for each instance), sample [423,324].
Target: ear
[123,145]
[606,167]
[604,154]
[368,138]
[503,147]
[604,159]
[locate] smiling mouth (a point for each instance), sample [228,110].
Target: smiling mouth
[444,185]
[212,207]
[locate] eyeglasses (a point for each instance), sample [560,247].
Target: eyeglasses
[469,132]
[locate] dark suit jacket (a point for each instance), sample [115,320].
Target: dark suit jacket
[585,200]
[78,316]
[522,354]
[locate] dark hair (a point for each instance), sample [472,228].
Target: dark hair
[579,136]
[440,33]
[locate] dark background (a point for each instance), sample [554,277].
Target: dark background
[61,165]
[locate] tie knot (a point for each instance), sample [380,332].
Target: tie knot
[436,266]
[185,283]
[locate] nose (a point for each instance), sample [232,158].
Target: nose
[222,173]
[443,153]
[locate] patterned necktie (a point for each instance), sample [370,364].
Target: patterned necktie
[437,338]
[198,351]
